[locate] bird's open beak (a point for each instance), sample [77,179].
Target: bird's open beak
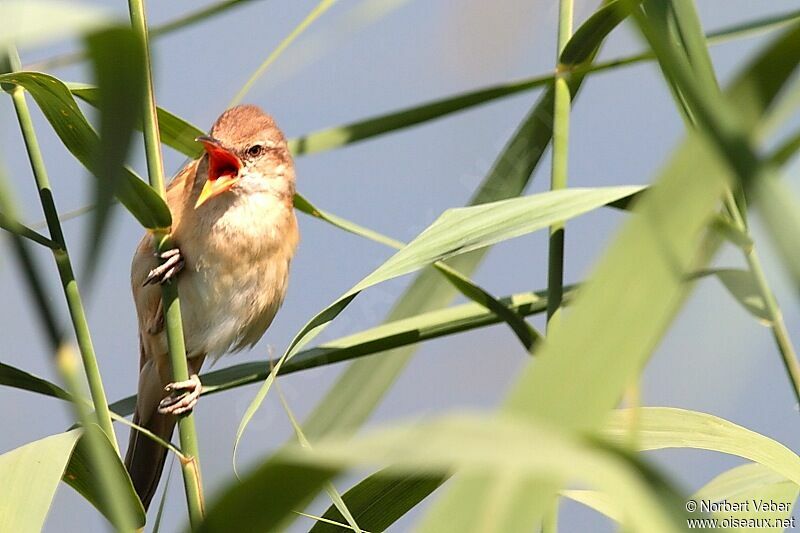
[223,169]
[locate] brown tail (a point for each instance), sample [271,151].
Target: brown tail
[145,457]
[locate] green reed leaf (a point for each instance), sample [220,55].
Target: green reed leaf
[456,232]
[60,109]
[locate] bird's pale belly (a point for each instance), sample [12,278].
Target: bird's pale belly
[236,276]
[227,310]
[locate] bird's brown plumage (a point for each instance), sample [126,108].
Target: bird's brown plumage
[236,248]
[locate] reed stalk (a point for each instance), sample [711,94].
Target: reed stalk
[172,309]
[62,259]
[558,176]
[771,307]
[101,456]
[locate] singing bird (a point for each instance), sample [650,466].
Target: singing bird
[235,234]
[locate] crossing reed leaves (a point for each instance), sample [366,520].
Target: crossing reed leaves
[560,431]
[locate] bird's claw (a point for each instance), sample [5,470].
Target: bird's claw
[183,402]
[166,271]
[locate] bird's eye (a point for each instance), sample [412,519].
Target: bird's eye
[255,150]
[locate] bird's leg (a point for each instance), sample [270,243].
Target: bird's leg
[184,401]
[173,263]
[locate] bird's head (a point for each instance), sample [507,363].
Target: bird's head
[245,150]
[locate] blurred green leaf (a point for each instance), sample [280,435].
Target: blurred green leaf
[31,474]
[380,500]
[114,489]
[501,447]
[30,477]
[356,393]
[330,488]
[763,78]
[752,483]
[66,275]
[780,209]
[734,140]
[82,476]
[121,99]
[689,33]
[34,22]
[747,484]
[79,472]
[264,499]
[686,68]
[656,427]
[60,109]
[455,232]
[667,427]
[639,285]
[700,99]
[740,483]
[360,388]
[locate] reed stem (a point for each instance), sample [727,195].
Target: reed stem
[61,256]
[120,511]
[558,177]
[773,310]
[169,294]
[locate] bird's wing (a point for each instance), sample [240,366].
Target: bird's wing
[148,298]
[145,458]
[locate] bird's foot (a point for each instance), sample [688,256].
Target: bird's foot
[173,263]
[183,396]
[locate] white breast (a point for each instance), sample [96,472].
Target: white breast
[236,275]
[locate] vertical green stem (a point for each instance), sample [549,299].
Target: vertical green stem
[777,325]
[172,308]
[558,176]
[68,282]
[550,520]
[101,456]
[562,103]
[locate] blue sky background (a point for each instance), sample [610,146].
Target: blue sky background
[715,358]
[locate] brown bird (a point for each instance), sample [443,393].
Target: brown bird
[235,233]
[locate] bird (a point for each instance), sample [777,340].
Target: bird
[235,233]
